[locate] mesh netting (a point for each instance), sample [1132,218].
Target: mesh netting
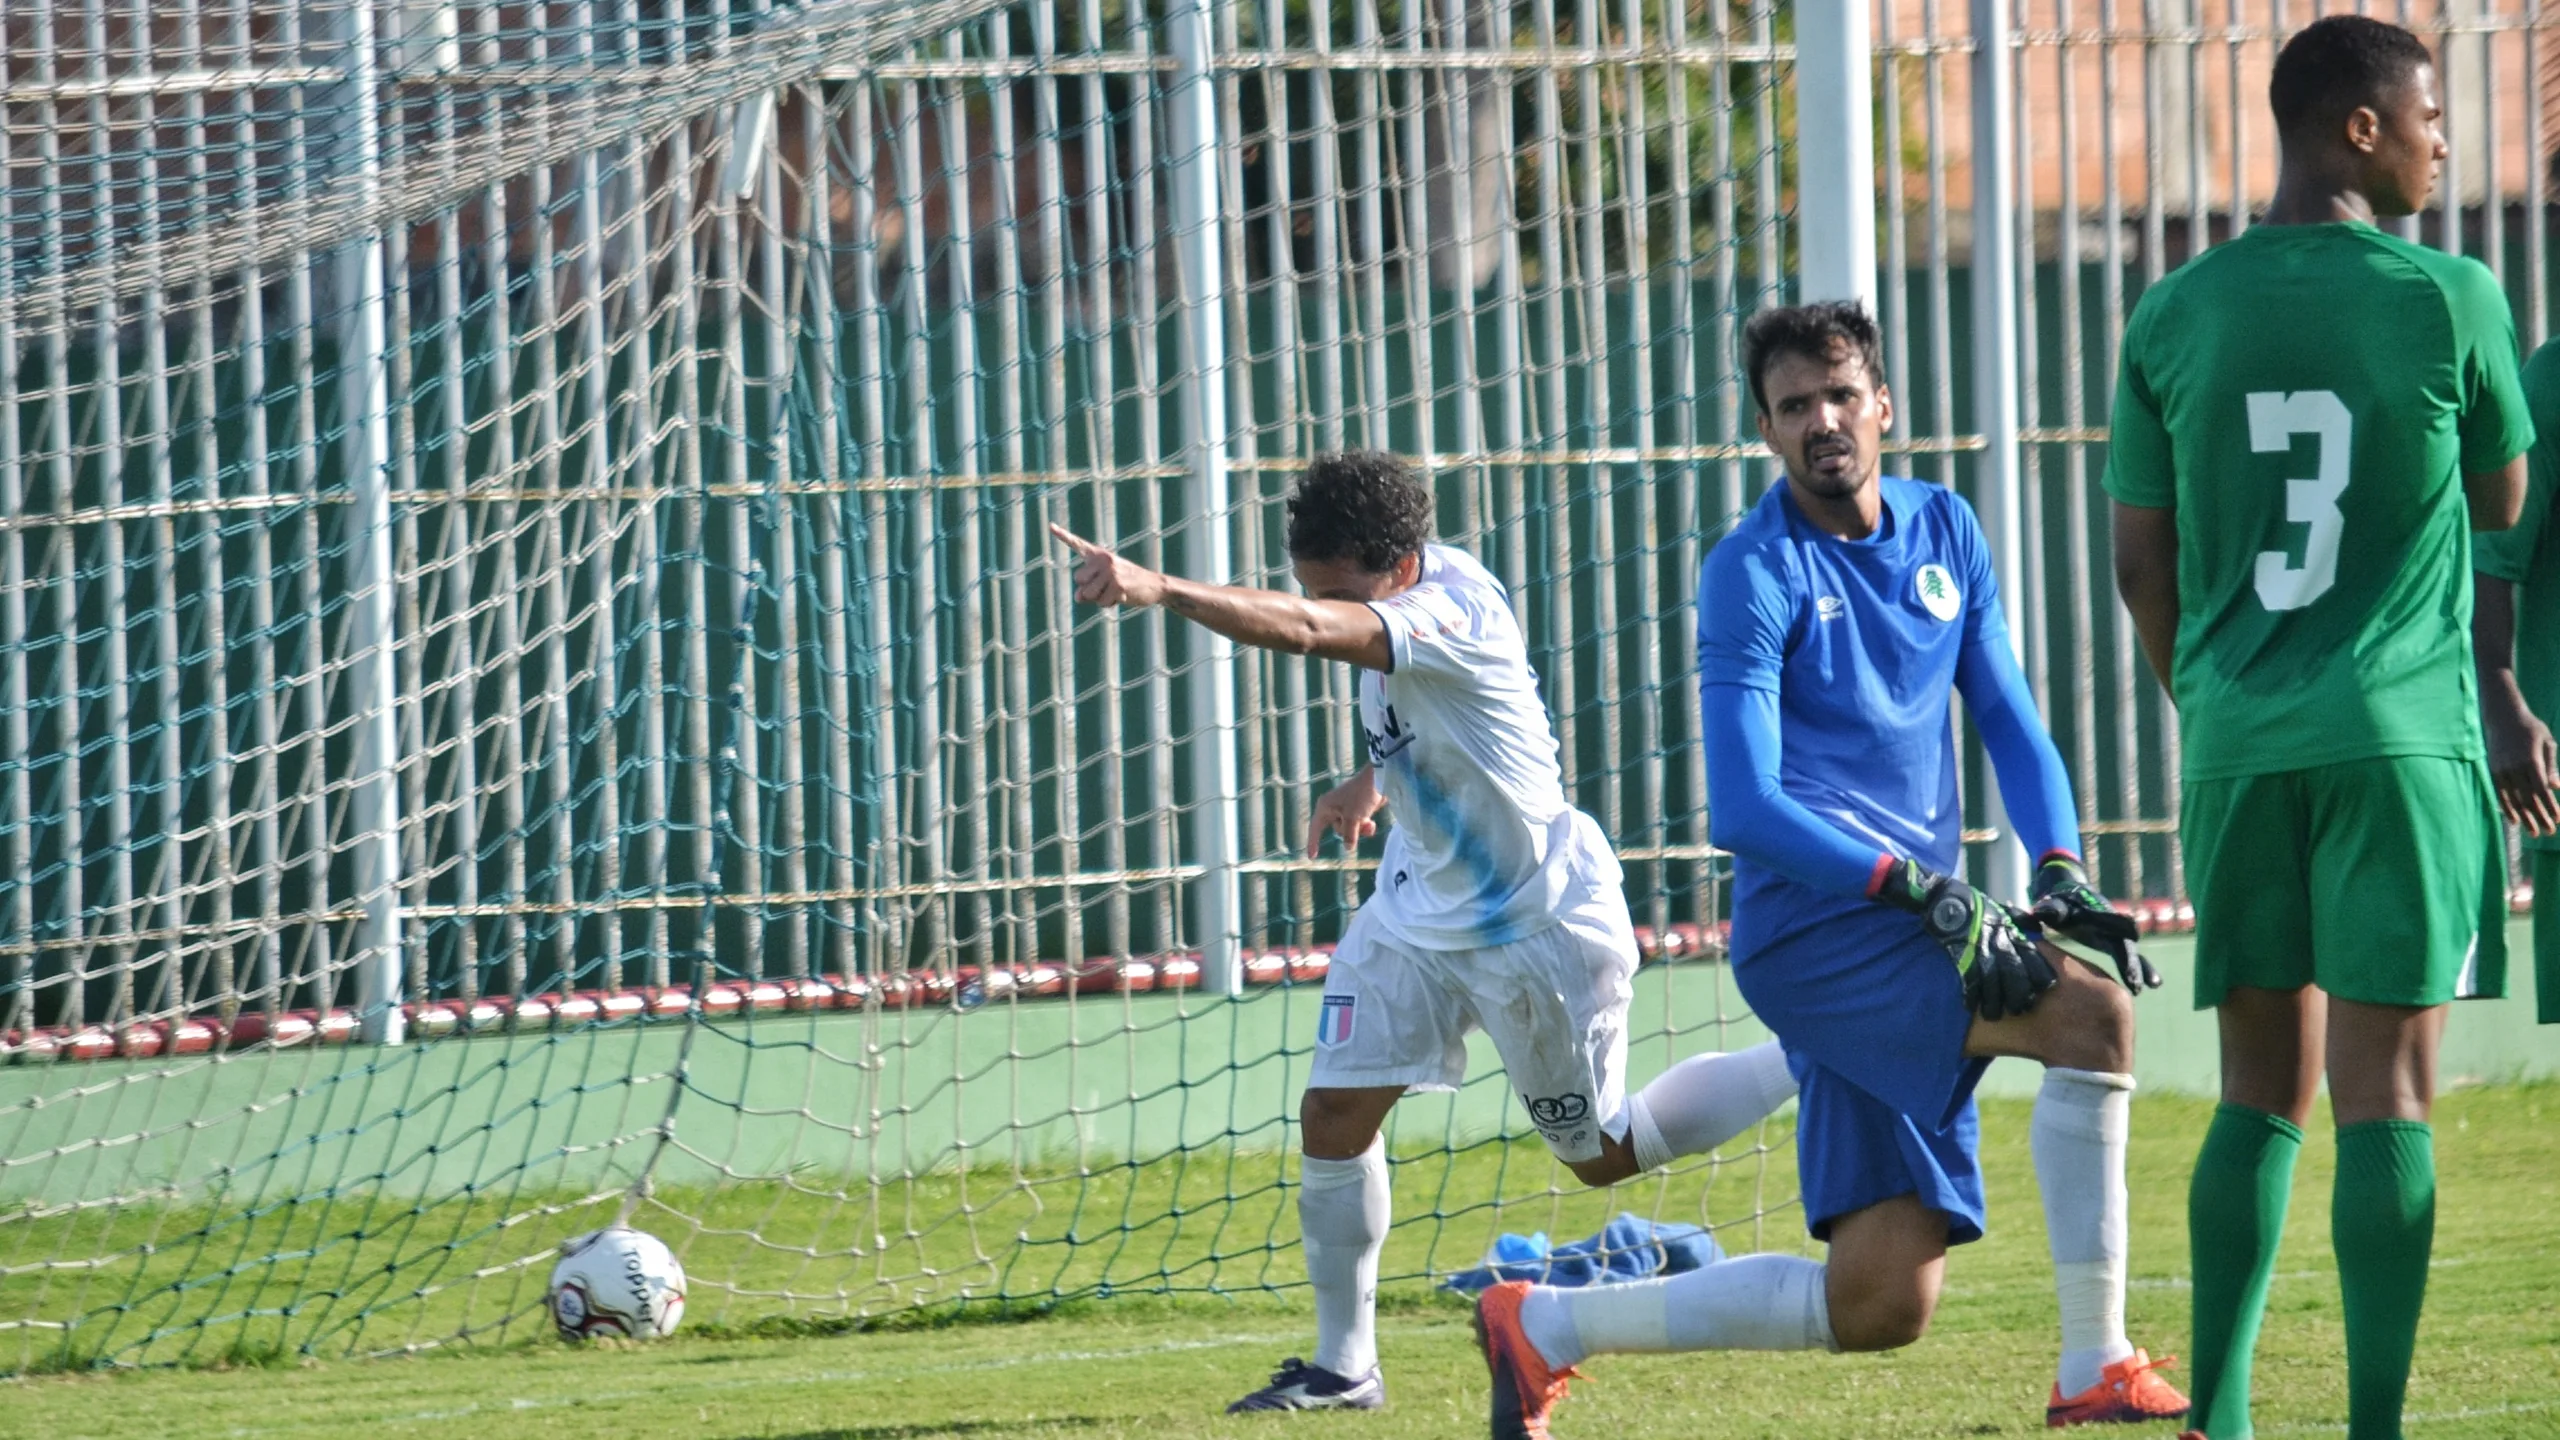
[522,527]
[774,856]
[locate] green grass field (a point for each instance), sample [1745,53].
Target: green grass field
[2490,1364]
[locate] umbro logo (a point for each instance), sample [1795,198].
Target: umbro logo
[1830,607]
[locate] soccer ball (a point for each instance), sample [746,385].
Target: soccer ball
[617,1281]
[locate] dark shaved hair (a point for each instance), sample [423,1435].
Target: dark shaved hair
[1366,507]
[1817,332]
[2334,65]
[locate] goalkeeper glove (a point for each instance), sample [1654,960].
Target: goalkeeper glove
[2065,903]
[2004,973]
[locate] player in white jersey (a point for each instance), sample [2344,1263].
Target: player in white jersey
[1497,906]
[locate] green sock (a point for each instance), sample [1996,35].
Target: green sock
[2235,1217]
[2382,1219]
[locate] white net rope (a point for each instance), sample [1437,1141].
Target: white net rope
[776,855]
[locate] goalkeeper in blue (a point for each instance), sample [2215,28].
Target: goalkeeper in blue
[1833,625]
[1498,905]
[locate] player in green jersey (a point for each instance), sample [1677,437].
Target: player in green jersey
[2516,597]
[2309,420]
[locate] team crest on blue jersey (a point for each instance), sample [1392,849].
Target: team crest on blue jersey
[1938,592]
[1333,1022]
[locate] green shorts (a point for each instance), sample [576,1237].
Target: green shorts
[2546,936]
[2377,880]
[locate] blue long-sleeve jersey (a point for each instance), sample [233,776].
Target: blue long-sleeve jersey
[1825,667]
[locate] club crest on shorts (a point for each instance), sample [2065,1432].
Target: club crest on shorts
[1553,1111]
[1333,1022]
[1938,592]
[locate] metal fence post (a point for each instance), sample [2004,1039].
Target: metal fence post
[1209,508]
[1997,492]
[373,812]
[1835,152]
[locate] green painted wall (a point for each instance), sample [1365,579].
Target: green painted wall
[847,1095]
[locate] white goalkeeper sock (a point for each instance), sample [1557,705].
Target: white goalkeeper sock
[2082,1121]
[1342,1217]
[1756,1302]
[1705,1100]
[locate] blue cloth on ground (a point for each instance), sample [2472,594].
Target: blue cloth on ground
[1627,1248]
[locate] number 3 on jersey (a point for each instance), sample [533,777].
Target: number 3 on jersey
[2275,417]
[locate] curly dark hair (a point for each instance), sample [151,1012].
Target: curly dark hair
[1815,331]
[2332,66]
[1364,506]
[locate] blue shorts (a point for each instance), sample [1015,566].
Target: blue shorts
[1872,1016]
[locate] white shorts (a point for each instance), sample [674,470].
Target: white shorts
[1554,1005]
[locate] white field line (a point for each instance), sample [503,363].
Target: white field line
[2181,1282]
[2175,1282]
[2432,1417]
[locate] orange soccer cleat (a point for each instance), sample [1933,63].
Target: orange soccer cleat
[1524,1388]
[2129,1392]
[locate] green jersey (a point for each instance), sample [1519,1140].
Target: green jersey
[2308,399]
[2529,555]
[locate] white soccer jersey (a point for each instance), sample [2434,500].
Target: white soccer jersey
[1482,848]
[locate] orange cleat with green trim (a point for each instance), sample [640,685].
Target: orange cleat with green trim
[1524,1388]
[2129,1392]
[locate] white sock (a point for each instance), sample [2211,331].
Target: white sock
[1705,1100]
[1756,1302]
[1342,1217]
[2082,1121]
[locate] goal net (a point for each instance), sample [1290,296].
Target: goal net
[534,689]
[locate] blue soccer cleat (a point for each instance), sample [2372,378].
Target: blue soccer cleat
[1297,1385]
